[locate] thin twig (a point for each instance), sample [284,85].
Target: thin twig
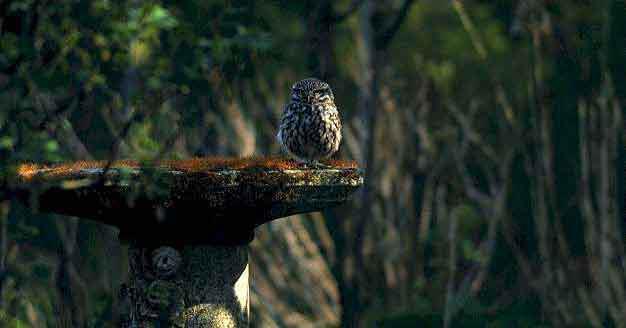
[384,38]
[450,308]
[469,27]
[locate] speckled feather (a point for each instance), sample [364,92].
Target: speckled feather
[310,129]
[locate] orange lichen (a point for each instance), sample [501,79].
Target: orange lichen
[27,171]
[217,163]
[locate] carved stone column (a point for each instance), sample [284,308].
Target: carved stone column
[188,286]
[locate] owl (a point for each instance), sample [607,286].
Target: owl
[310,128]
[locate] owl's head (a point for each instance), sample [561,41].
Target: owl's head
[312,91]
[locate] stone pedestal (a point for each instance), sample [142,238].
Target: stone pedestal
[187,286]
[188,225]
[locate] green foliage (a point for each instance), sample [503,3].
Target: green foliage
[8,321]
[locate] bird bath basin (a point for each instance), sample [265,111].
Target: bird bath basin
[187,222]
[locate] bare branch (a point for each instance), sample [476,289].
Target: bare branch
[352,8]
[469,27]
[384,38]
[450,308]
[55,122]
[471,190]
[467,126]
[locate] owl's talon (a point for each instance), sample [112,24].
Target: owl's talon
[319,165]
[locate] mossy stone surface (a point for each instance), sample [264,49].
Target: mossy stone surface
[182,203]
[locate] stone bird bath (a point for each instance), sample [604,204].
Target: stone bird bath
[188,224]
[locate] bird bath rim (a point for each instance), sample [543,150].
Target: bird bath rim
[179,204]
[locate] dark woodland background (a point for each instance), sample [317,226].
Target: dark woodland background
[491,131]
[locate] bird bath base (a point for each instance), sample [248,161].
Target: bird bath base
[188,224]
[189,286]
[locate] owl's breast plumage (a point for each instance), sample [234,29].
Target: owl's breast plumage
[310,131]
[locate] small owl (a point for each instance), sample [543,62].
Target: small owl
[310,129]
